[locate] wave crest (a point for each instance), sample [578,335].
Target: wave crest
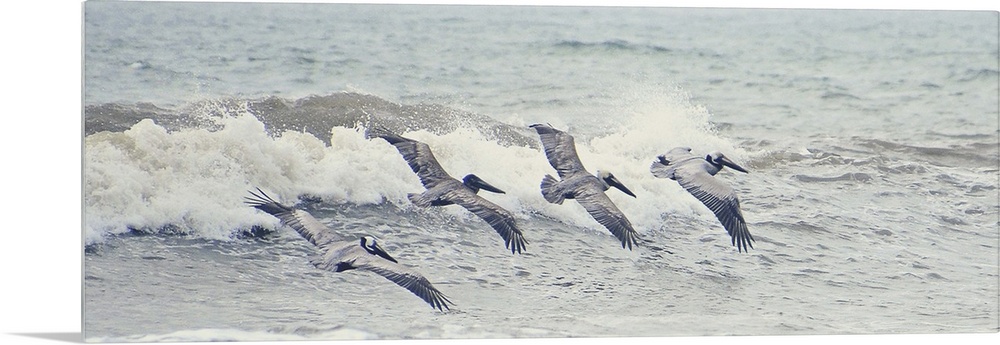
[161,173]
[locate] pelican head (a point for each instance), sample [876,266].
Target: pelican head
[475,183]
[371,245]
[719,160]
[612,181]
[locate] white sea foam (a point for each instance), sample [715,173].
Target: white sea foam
[194,180]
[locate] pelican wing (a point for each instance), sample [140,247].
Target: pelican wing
[721,199]
[605,212]
[560,150]
[678,154]
[500,219]
[304,223]
[664,165]
[418,155]
[407,278]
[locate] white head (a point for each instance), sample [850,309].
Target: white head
[719,160]
[611,181]
[370,244]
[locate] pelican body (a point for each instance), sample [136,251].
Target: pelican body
[697,175]
[443,190]
[339,255]
[578,184]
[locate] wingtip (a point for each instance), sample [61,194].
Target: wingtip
[744,244]
[255,199]
[543,128]
[630,244]
[444,302]
[379,131]
[373,129]
[518,248]
[264,202]
[516,245]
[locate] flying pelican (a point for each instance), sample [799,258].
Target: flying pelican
[695,174]
[442,189]
[577,183]
[342,255]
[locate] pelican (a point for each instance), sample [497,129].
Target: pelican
[341,255]
[442,189]
[696,174]
[577,183]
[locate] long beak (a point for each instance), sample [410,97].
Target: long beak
[488,187]
[725,161]
[381,252]
[613,181]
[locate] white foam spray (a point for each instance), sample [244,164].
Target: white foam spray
[194,180]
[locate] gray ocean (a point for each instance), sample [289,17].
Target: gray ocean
[871,140]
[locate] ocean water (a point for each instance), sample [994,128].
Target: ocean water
[871,138]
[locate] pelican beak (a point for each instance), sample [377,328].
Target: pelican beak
[725,161]
[613,181]
[385,255]
[478,183]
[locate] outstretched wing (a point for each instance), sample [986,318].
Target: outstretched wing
[417,154]
[664,165]
[721,199]
[303,222]
[407,278]
[560,150]
[500,219]
[605,212]
[678,154]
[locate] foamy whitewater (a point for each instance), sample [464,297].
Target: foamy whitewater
[871,138]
